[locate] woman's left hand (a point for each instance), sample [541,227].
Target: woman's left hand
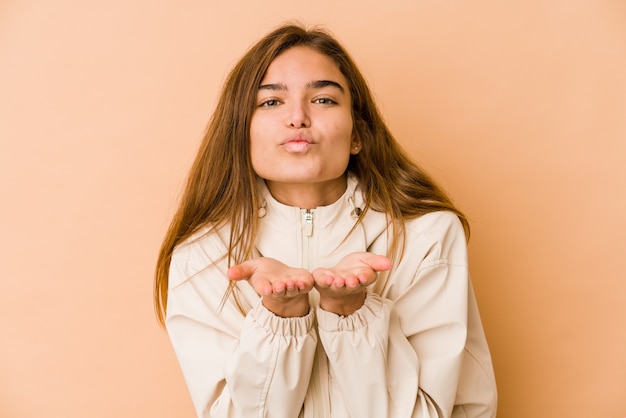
[342,287]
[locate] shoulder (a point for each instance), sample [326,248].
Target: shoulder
[439,224]
[440,234]
[204,248]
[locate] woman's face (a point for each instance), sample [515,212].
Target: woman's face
[301,130]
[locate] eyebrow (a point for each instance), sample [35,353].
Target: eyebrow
[273,86]
[316,84]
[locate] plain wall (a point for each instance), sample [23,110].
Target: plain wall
[518,108]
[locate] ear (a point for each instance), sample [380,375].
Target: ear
[355,144]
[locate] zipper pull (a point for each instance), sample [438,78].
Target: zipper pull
[308,222]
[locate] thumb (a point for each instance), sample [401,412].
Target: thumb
[240,271]
[377,262]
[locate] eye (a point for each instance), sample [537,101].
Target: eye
[269,103]
[324,100]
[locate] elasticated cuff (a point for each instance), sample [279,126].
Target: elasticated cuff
[371,310]
[287,327]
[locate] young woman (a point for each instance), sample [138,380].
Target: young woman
[312,269]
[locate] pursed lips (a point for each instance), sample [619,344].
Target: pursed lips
[297,144]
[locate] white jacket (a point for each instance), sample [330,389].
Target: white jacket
[416,348]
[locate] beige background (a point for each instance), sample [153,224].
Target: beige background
[518,107]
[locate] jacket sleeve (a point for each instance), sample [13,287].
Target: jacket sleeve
[402,353]
[234,365]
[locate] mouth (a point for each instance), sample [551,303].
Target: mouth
[297,145]
[297,140]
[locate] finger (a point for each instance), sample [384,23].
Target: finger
[319,273]
[301,285]
[263,287]
[329,279]
[278,288]
[266,289]
[366,278]
[338,283]
[323,277]
[293,292]
[352,282]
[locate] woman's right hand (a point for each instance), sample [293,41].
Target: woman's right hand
[284,289]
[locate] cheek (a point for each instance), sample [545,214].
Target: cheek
[258,135]
[257,154]
[343,133]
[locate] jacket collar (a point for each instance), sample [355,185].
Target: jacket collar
[347,207]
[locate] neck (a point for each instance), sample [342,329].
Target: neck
[308,195]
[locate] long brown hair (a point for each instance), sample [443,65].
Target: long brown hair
[221,187]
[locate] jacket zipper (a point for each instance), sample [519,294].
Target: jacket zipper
[306,239]
[308,222]
[318,404]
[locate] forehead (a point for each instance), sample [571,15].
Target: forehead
[303,63]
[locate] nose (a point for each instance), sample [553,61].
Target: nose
[298,116]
